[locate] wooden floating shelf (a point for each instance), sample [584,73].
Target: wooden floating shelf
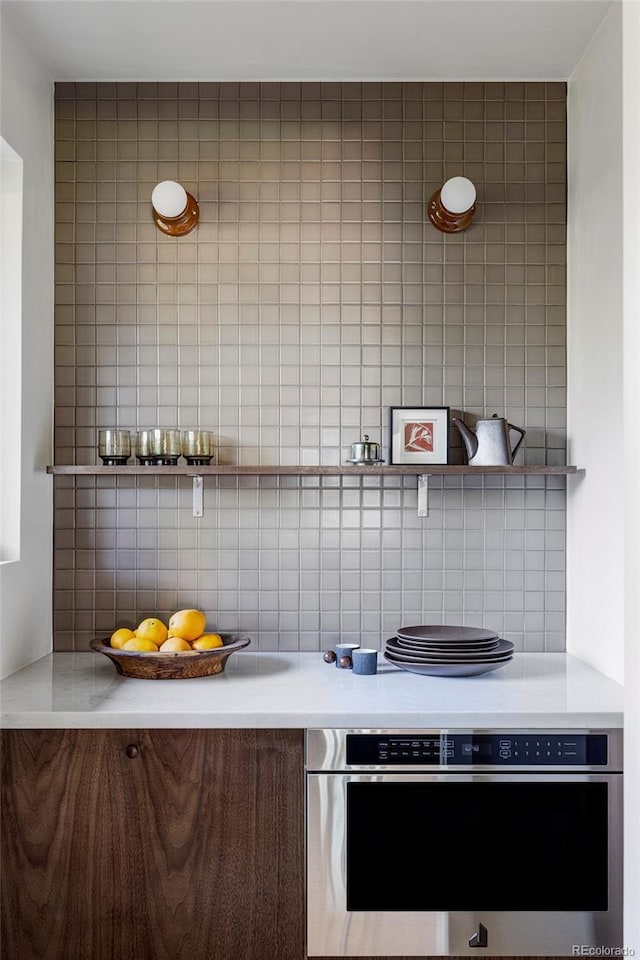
[422,472]
[384,470]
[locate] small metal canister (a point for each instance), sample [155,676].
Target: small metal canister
[365,451]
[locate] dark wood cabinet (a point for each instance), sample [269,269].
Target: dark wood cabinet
[152,845]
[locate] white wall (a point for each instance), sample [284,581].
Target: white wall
[11,194]
[595,518]
[27,126]
[631,371]
[603,583]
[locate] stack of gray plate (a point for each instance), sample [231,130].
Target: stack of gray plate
[444,651]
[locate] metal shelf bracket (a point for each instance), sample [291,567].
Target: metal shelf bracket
[423,494]
[198,499]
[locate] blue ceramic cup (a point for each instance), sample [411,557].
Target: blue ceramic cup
[344,650]
[365,661]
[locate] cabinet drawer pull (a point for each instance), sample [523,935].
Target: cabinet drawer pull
[131,750]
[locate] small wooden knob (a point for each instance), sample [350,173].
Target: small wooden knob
[329,656]
[131,750]
[345,662]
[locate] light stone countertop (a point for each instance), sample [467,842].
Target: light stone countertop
[301,690]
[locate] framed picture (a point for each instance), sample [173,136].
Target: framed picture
[419,435]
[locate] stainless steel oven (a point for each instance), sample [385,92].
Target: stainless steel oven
[463,842]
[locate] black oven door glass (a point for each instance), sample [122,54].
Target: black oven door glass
[490,846]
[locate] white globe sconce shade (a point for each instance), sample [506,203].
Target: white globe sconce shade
[451,208]
[175,212]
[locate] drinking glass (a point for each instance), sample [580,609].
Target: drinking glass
[143,447]
[158,447]
[114,446]
[168,451]
[197,446]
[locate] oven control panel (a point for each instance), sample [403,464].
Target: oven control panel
[503,749]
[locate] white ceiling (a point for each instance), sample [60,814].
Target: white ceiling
[308,39]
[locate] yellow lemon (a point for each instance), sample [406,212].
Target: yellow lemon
[140,645]
[120,637]
[152,629]
[187,624]
[208,641]
[174,645]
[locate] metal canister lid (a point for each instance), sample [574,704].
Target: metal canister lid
[365,450]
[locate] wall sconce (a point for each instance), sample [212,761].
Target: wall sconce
[451,208]
[175,211]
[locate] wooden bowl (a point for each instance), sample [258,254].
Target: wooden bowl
[172,666]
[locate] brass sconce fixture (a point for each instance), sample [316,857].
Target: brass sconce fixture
[175,211]
[451,208]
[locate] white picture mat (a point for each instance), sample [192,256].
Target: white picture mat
[401,416]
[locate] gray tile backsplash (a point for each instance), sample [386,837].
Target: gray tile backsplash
[313,295]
